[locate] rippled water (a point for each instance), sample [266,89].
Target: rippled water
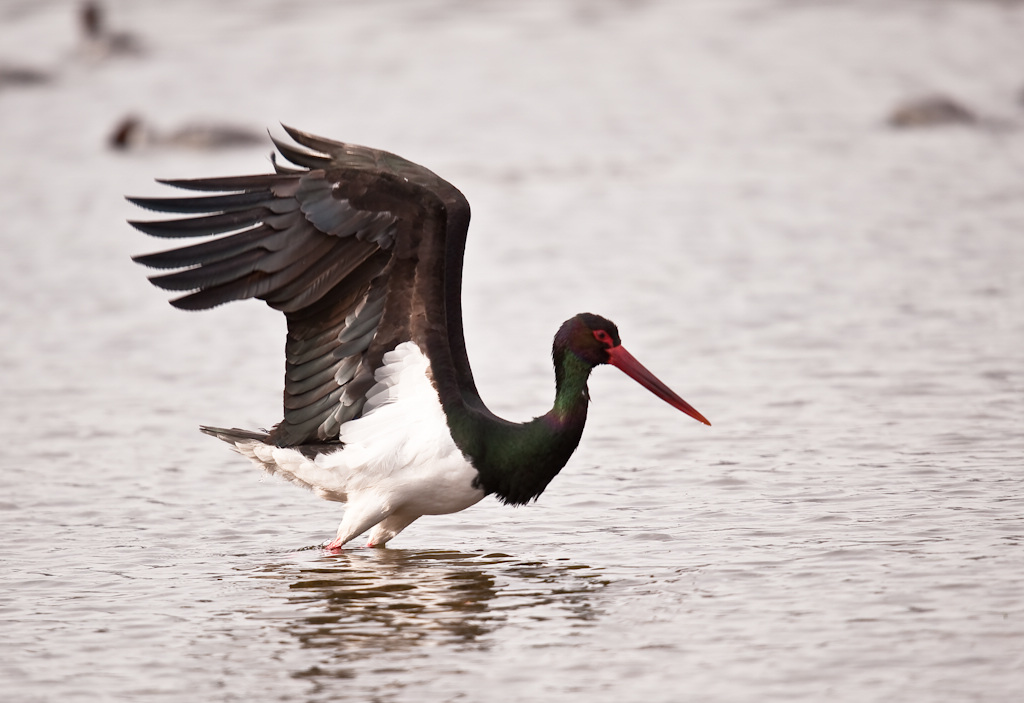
[843,300]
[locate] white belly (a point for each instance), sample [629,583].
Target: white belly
[399,455]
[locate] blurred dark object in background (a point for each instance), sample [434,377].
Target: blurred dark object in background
[22,77]
[132,132]
[98,41]
[931,111]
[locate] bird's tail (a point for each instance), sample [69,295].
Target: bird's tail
[234,435]
[296,464]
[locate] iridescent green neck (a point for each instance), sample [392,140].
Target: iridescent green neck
[571,394]
[516,461]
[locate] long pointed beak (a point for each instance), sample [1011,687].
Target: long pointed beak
[625,361]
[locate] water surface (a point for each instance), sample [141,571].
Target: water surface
[842,300]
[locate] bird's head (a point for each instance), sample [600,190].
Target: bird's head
[589,337]
[595,341]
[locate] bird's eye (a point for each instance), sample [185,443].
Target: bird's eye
[603,337]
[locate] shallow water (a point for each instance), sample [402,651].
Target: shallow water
[843,301]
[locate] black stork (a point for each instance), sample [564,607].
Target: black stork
[362,251]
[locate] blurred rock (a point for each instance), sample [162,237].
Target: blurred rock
[22,77]
[133,132]
[98,41]
[931,111]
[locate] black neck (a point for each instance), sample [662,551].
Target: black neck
[516,461]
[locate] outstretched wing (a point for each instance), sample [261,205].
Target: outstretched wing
[361,249]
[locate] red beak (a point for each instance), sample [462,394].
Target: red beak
[625,361]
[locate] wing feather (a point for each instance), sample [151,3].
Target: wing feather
[213,203]
[214,250]
[211,275]
[200,226]
[300,157]
[229,183]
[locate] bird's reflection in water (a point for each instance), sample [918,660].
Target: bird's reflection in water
[392,601]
